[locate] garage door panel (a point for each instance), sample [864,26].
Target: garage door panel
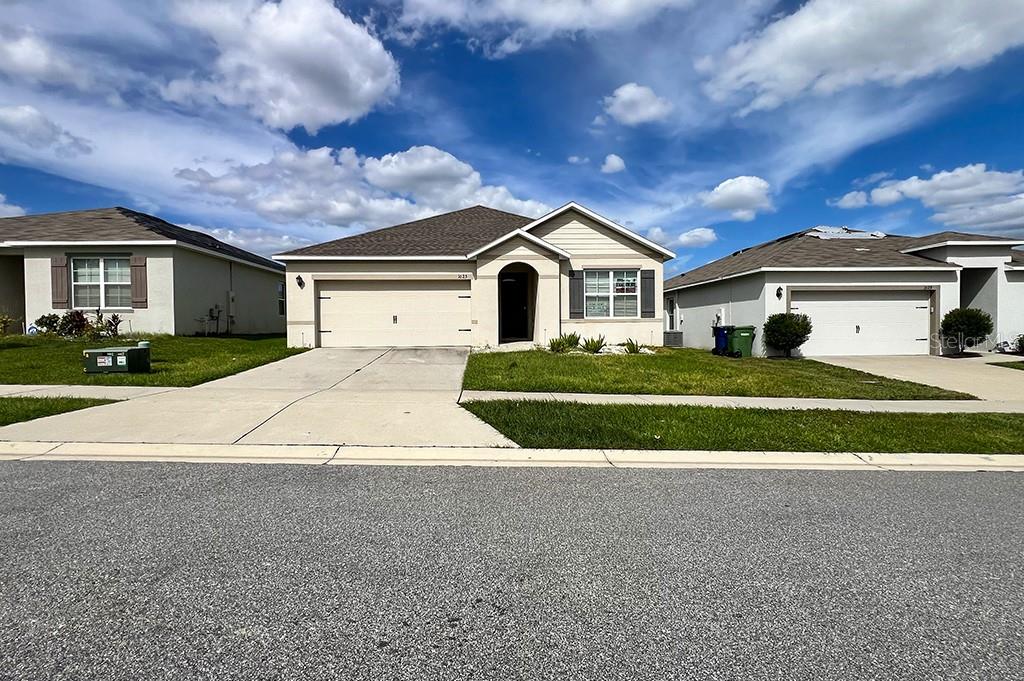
[863,322]
[394,313]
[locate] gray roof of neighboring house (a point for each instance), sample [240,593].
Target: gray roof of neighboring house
[116,224]
[1017,258]
[452,234]
[803,249]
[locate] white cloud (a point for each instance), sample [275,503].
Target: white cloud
[578,160]
[26,56]
[633,104]
[970,196]
[263,241]
[9,210]
[697,238]
[829,45]
[854,199]
[338,187]
[293,63]
[501,27]
[28,125]
[873,178]
[742,196]
[613,163]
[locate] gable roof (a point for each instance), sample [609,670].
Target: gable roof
[947,238]
[459,235]
[449,235]
[806,249]
[605,222]
[115,226]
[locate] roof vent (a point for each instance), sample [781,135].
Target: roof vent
[826,232]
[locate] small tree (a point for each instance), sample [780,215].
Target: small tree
[966,326]
[787,331]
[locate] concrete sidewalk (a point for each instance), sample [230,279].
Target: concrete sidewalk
[498,456]
[102,392]
[906,406]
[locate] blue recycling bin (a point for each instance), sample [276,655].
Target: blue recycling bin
[721,334]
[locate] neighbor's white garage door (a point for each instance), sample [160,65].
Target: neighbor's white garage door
[399,313]
[881,322]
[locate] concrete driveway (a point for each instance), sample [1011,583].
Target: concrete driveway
[972,375]
[402,397]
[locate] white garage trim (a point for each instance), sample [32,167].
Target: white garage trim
[383,313]
[866,320]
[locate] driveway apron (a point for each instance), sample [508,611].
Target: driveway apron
[405,397]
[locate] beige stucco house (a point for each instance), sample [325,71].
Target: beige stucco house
[478,277]
[158,277]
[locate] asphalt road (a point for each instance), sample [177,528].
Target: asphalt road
[176,571]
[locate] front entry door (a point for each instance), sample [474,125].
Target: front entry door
[513,320]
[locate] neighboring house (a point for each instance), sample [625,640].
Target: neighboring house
[158,277]
[867,293]
[478,276]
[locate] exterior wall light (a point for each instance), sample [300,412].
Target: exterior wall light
[302,284]
[778,293]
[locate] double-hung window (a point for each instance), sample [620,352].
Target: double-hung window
[101,283]
[280,298]
[611,293]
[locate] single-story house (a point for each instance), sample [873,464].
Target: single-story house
[478,277]
[867,293]
[158,277]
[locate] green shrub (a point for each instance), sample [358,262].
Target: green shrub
[632,347]
[564,343]
[1019,343]
[48,323]
[73,324]
[6,323]
[787,331]
[593,345]
[966,326]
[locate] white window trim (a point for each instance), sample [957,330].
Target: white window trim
[102,283]
[611,293]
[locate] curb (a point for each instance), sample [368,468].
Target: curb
[336,455]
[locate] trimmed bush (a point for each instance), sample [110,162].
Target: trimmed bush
[593,345]
[564,343]
[1019,344]
[786,331]
[966,326]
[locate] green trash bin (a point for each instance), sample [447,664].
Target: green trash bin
[741,342]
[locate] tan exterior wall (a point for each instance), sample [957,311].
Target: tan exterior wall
[302,301]
[594,246]
[202,282]
[157,318]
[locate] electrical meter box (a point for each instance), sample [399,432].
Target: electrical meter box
[131,359]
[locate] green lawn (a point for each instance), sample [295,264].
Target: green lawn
[16,409]
[574,425]
[176,360]
[1011,365]
[684,372]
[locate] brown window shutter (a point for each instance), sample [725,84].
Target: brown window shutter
[576,307]
[60,283]
[140,292]
[647,306]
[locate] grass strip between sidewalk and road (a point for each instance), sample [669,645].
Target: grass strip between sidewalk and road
[18,409]
[574,425]
[1011,365]
[685,372]
[176,360]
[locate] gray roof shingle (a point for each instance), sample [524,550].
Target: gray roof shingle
[451,234]
[116,224]
[803,250]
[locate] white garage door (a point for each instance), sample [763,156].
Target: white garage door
[394,313]
[882,322]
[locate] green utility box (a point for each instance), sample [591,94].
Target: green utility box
[741,341]
[131,359]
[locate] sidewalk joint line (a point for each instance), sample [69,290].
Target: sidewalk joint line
[299,399]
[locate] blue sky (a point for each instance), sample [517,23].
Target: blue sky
[709,126]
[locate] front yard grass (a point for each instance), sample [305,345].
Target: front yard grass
[1011,365]
[17,409]
[574,425]
[176,360]
[685,371]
